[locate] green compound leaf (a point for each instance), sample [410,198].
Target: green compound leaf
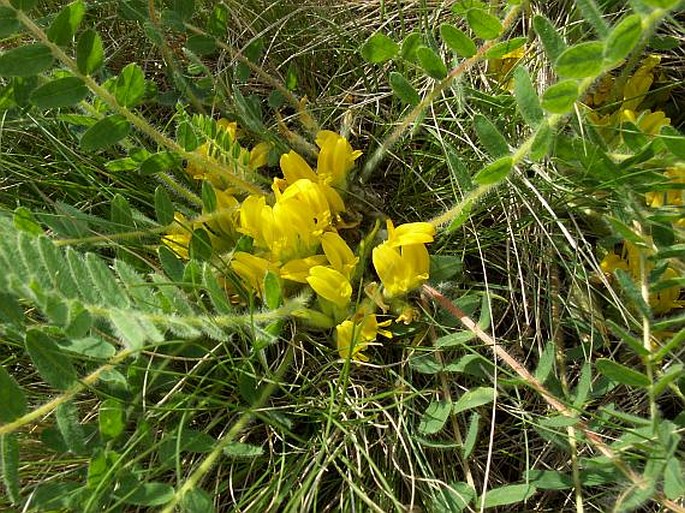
[457,40]
[69,426]
[164,208]
[435,417]
[403,89]
[484,25]
[474,398]
[461,7]
[242,450]
[50,361]
[582,60]
[509,494]
[25,61]
[454,498]
[409,46]
[379,48]
[145,494]
[494,172]
[197,501]
[12,397]
[560,97]
[526,97]
[90,54]
[593,15]
[9,464]
[106,132]
[622,374]
[62,92]
[201,45]
[490,137]
[551,40]
[111,418]
[63,28]
[431,63]
[159,162]
[9,24]
[273,293]
[501,49]
[200,245]
[623,38]
[129,89]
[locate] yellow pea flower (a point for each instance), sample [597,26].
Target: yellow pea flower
[639,83]
[352,337]
[259,155]
[230,127]
[298,269]
[336,158]
[611,262]
[252,269]
[177,239]
[402,269]
[665,300]
[331,285]
[675,196]
[254,217]
[223,220]
[294,168]
[338,253]
[409,233]
[648,122]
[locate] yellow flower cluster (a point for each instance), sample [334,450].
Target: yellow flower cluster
[628,103]
[661,302]
[294,235]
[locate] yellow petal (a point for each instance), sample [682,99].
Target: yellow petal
[410,233]
[336,158]
[330,285]
[259,155]
[349,342]
[294,167]
[339,254]
[298,269]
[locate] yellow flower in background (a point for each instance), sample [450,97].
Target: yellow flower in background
[502,67]
[331,285]
[354,336]
[224,220]
[662,301]
[338,253]
[638,84]
[611,262]
[409,233]
[336,158]
[647,121]
[230,127]
[259,155]
[401,269]
[177,239]
[675,196]
[667,299]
